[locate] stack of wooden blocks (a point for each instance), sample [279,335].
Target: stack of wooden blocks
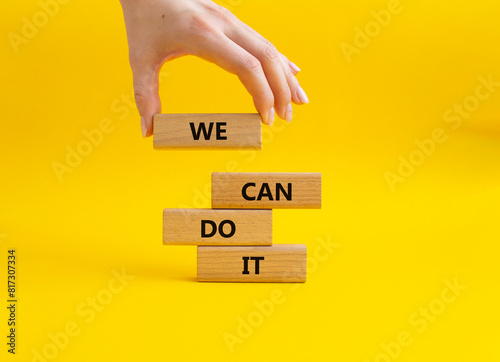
[234,238]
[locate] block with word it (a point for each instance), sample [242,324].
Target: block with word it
[207,130]
[217,227]
[266,190]
[276,263]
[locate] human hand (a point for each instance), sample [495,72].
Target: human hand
[162,30]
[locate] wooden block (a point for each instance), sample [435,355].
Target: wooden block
[217,227]
[266,190]
[276,263]
[207,130]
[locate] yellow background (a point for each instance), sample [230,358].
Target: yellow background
[393,252]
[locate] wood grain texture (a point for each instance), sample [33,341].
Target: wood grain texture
[184,227]
[228,190]
[242,130]
[281,263]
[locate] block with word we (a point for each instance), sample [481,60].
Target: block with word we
[207,130]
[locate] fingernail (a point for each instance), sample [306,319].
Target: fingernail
[302,95]
[289,112]
[270,119]
[294,66]
[144,127]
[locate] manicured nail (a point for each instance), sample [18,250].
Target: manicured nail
[294,66]
[302,95]
[144,127]
[270,119]
[289,112]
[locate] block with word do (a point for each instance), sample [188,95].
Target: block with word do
[217,227]
[276,263]
[207,130]
[266,190]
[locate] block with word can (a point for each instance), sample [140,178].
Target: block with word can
[272,190]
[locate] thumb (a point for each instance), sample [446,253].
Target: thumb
[147,99]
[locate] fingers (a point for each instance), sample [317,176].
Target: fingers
[298,94]
[219,49]
[270,60]
[234,21]
[147,99]
[276,67]
[293,66]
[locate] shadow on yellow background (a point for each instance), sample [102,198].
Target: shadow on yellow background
[403,256]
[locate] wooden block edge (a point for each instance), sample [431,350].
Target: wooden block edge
[267,243]
[299,280]
[210,148]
